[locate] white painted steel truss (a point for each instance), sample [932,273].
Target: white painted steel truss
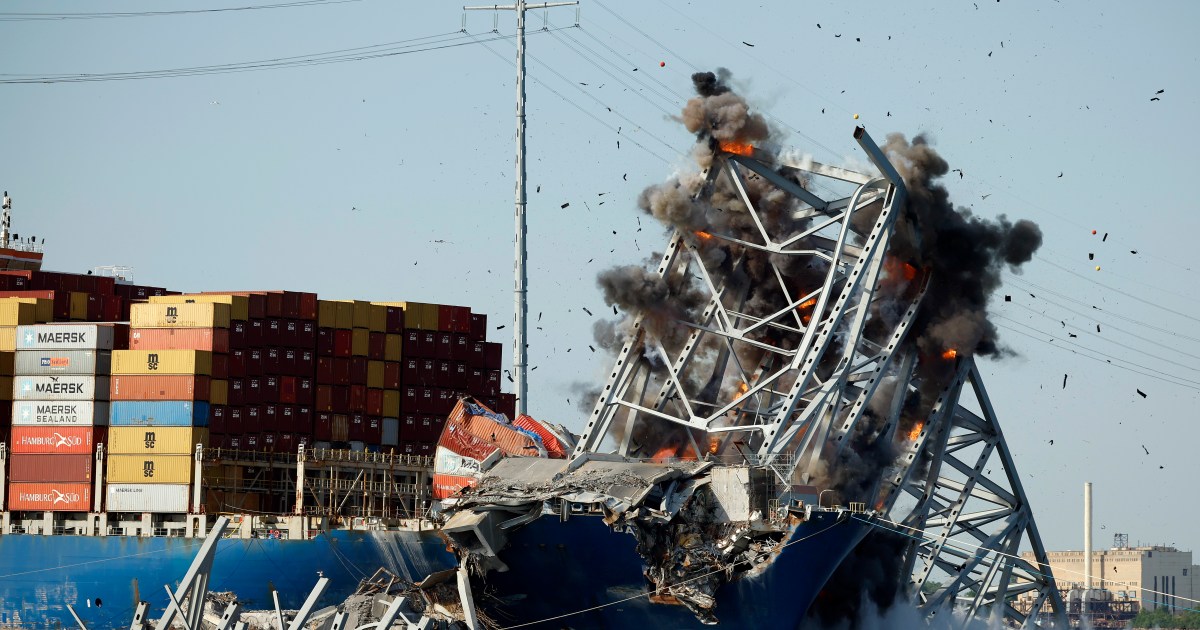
[816,371]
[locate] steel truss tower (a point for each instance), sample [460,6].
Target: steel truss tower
[828,369]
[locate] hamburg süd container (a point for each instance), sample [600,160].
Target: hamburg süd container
[210,339]
[148,497]
[50,496]
[61,387]
[155,440]
[59,412]
[149,469]
[164,387]
[170,413]
[149,362]
[39,362]
[68,336]
[62,440]
[179,315]
[42,467]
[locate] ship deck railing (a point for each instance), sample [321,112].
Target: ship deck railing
[318,457]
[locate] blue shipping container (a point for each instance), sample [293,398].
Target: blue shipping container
[170,413]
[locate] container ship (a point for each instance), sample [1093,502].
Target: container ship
[132,415]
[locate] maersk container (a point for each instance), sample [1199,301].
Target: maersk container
[150,362]
[63,440]
[155,440]
[179,315]
[67,337]
[50,497]
[43,467]
[169,413]
[41,362]
[48,412]
[148,468]
[148,497]
[63,387]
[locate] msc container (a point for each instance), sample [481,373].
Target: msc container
[48,412]
[155,440]
[67,337]
[210,339]
[50,467]
[179,315]
[50,497]
[162,362]
[63,440]
[64,387]
[173,413]
[178,387]
[148,497]
[149,469]
[239,305]
[14,312]
[39,362]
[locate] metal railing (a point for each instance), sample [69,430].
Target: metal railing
[322,456]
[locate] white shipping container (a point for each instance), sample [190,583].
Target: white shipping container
[66,337]
[62,387]
[73,413]
[149,497]
[38,362]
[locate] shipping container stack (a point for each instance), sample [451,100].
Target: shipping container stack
[446,355]
[163,390]
[60,413]
[75,297]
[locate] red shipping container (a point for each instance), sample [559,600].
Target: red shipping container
[358,428]
[323,427]
[104,285]
[358,398]
[373,434]
[409,427]
[492,353]
[475,355]
[376,345]
[254,362]
[270,360]
[458,375]
[254,332]
[410,396]
[220,365]
[254,392]
[285,418]
[291,333]
[210,339]
[289,304]
[113,309]
[286,443]
[306,363]
[335,398]
[478,327]
[287,361]
[444,375]
[325,342]
[252,442]
[461,347]
[237,363]
[95,307]
[410,371]
[274,303]
[306,335]
[303,421]
[411,345]
[446,399]
[43,468]
[304,390]
[236,422]
[394,322]
[254,419]
[270,389]
[507,405]
[287,389]
[475,381]
[237,391]
[63,440]
[408,448]
[374,406]
[428,374]
[237,333]
[137,387]
[50,497]
[237,442]
[391,375]
[308,306]
[358,370]
[333,370]
[427,400]
[270,417]
[429,344]
[342,343]
[267,444]
[218,419]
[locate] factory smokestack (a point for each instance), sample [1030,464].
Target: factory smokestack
[1087,535]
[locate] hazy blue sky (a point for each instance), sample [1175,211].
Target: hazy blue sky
[343,178]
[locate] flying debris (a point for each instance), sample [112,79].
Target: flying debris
[565,205]
[662,64]
[986,196]
[1155,98]
[748,44]
[1072,335]
[1091,256]
[1097,327]
[1097,267]
[592,348]
[1064,381]
[500,327]
[1008,298]
[1105,237]
[957,170]
[539,188]
[1133,251]
[1051,442]
[1145,449]
[1140,393]
[585,310]
[1093,231]
[1060,175]
[1160,91]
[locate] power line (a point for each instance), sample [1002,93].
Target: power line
[41,17]
[1116,290]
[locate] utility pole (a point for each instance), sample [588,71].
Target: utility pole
[521,280]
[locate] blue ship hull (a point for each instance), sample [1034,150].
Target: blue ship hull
[39,575]
[558,568]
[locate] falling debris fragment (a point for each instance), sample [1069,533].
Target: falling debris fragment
[748,44]
[1097,327]
[585,310]
[565,205]
[1064,381]
[1008,298]
[1097,267]
[1145,449]
[592,348]
[1140,393]
[500,327]
[1105,237]
[1091,256]
[662,64]
[1093,231]
[1133,251]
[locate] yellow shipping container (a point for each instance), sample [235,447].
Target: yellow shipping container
[218,392]
[391,403]
[8,338]
[179,315]
[155,440]
[345,315]
[239,305]
[327,313]
[417,314]
[391,348]
[150,469]
[14,312]
[375,374]
[378,319]
[6,388]
[360,314]
[161,362]
[360,342]
[79,305]
[43,308]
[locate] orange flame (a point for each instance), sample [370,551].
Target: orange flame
[689,454]
[743,388]
[809,303]
[916,431]
[950,354]
[704,236]
[738,148]
[713,444]
[663,454]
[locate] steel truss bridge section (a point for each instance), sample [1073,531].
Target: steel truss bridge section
[819,361]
